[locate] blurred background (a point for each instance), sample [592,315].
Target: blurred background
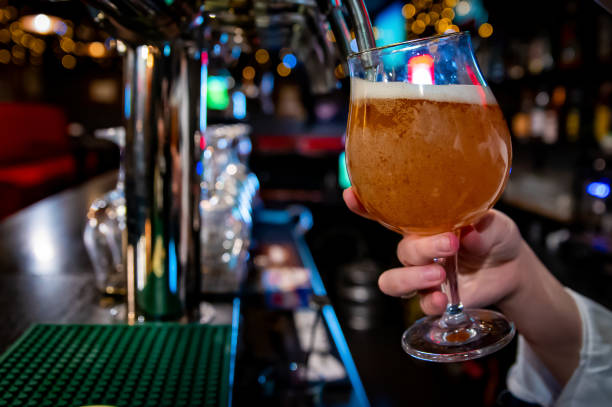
[549,63]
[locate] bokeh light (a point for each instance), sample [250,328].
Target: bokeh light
[418,27]
[448,13]
[283,70]
[442,25]
[463,7]
[453,28]
[68,61]
[18,52]
[408,11]
[5,56]
[339,72]
[96,49]
[424,17]
[290,60]
[5,35]
[433,17]
[38,46]
[262,56]
[42,24]
[248,73]
[67,45]
[485,30]
[26,40]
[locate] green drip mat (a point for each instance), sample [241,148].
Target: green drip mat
[118,365]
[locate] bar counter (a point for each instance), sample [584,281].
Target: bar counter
[46,277]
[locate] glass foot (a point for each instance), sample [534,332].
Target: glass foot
[483,333]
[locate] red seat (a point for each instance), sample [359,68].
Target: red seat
[36,157]
[30,132]
[36,173]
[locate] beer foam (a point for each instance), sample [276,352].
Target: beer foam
[362,89]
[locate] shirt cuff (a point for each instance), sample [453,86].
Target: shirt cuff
[591,382]
[529,379]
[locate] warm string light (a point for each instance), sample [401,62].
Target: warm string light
[421,14]
[339,72]
[248,73]
[262,56]
[485,30]
[26,38]
[283,70]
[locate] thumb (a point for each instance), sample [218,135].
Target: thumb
[354,204]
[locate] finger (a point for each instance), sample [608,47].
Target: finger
[354,204]
[433,302]
[418,250]
[401,281]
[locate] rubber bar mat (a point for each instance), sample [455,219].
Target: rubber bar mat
[118,365]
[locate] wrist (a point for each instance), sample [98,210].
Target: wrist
[545,314]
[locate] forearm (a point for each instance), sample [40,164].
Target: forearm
[546,315]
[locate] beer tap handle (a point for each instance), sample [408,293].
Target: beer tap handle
[362,27]
[335,17]
[361,24]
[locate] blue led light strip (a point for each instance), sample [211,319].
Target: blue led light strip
[333,324]
[234,345]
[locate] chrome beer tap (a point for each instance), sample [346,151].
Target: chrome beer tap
[165,72]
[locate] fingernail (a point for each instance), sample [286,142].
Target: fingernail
[443,243]
[432,273]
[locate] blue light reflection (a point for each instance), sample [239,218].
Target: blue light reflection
[203,91]
[239,105]
[290,61]
[172,267]
[598,189]
[127,101]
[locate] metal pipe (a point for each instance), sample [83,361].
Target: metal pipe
[362,27]
[361,24]
[162,121]
[340,30]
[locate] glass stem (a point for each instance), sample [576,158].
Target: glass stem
[453,316]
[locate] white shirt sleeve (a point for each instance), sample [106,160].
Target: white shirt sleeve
[591,383]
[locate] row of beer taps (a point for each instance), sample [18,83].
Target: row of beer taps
[165,74]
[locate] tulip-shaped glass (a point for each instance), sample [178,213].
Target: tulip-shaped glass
[428,151]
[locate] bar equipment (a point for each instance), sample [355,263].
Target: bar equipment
[165,72]
[106,224]
[163,65]
[228,191]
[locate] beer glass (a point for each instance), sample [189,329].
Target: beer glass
[106,223]
[428,151]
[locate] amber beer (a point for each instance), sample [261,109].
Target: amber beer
[426,158]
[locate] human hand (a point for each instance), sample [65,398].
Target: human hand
[496,267]
[489,262]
